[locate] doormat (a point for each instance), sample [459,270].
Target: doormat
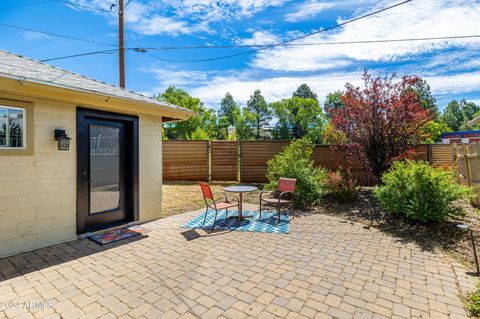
[112,236]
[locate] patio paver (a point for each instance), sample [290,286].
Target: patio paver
[325,268]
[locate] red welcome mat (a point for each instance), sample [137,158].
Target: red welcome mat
[112,236]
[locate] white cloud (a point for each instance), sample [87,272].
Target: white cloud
[30,35]
[428,18]
[159,24]
[211,87]
[455,83]
[174,17]
[308,10]
[259,37]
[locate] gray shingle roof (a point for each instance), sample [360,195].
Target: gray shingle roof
[31,70]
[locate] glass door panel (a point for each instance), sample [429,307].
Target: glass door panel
[104,168]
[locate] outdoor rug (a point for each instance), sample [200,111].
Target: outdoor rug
[112,236]
[268,223]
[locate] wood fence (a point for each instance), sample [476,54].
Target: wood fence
[246,161]
[467,159]
[186,161]
[224,161]
[442,154]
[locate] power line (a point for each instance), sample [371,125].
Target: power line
[80,55]
[128,2]
[25,5]
[290,40]
[57,35]
[166,48]
[145,50]
[82,6]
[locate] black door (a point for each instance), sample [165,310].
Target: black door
[107,175]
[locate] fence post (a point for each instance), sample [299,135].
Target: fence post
[241,161]
[209,162]
[430,153]
[469,167]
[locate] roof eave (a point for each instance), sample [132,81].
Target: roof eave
[175,113]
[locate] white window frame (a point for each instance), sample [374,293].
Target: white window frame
[24,129]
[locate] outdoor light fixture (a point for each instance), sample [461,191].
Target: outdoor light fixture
[63,140]
[466,227]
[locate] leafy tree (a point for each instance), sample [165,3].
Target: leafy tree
[257,106]
[244,125]
[427,100]
[202,124]
[458,113]
[435,130]
[298,117]
[304,91]
[381,123]
[333,101]
[229,109]
[221,128]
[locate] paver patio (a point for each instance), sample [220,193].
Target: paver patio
[325,268]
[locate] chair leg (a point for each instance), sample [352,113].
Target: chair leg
[278,213]
[214,220]
[260,210]
[293,212]
[226,212]
[205,218]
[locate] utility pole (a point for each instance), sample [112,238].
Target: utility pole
[121,46]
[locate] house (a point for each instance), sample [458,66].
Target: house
[462,137]
[76,155]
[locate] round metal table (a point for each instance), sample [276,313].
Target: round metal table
[240,190]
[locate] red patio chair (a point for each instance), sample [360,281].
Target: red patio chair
[282,196]
[215,204]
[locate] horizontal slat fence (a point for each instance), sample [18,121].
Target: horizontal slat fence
[442,154]
[224,160]
[254,156]
[190,160]
[185,160]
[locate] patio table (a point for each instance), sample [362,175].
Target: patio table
[240,190]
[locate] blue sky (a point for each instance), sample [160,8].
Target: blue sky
[451,67]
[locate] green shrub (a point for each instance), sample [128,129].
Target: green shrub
[420,192]
[341,185]
[473,302]
[295,162]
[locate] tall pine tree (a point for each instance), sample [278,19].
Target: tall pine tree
[305,92]
[258,107]
[229,109]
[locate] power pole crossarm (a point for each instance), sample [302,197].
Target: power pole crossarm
[121,44]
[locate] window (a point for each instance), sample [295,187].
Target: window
[12,128]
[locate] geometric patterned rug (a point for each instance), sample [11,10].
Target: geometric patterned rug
[268,223]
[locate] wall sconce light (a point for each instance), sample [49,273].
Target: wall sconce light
[467,228]
[63,140]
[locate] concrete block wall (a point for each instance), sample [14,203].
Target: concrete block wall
[38,192]
[150,158]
